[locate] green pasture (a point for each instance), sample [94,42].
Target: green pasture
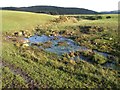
[47,69]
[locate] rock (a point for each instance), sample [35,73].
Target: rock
[62,43]
[110,38]
[55,33]
[90,50]
[47,44]
[26,30]
[21,40]
[26,36]
[25,45]
[20,34]
[38,44]
[24,40]
[55,38]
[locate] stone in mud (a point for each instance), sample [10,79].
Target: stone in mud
[55,38]
[110,38]
[20,40]
[62,44]
[47,44]
[90,51]
[27,36]
[20,34]
[27,33]
[24,41]
[37,44]
[70,33]
[25,45]
[55,34]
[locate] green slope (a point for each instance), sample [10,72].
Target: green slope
[15,20]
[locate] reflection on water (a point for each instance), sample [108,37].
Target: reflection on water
[55,48]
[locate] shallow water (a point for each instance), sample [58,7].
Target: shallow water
[37,39]
[55,48]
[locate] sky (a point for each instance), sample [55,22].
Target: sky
[96,5]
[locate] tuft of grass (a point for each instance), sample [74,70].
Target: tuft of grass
[99,59]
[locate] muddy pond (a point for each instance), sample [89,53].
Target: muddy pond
[61,45]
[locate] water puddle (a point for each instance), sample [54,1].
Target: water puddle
[61,45]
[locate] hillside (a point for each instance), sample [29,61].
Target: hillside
[16,20]
[52,10]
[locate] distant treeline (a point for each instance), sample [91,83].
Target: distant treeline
[111,12]
[52,10]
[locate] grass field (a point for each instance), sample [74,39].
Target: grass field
[13,20]
[33,67]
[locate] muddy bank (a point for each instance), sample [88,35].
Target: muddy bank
[62,46]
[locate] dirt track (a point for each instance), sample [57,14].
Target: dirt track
[18,71]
